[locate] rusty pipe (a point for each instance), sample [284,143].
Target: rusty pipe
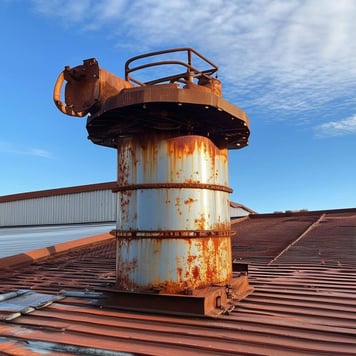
[87,88]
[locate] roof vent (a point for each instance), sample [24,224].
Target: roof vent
[172,135]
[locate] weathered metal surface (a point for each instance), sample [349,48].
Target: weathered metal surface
[173,265]
[19,259]
[311,239]
[185,238]
[190,71]
[189,102]
[172,135]
[169,108]
[211,301]
[302,307]
[179,211]
[165,158]
[15,304]
[87,87]
[183,180]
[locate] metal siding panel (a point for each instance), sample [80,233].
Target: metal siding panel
[238,212]
[94,206]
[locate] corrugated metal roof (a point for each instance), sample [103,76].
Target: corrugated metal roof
[302,267]
[318,238]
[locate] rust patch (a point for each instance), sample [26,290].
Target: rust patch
[198,262]
[195,273]
[200,224]
[189,201]
[177,204]
[191,259]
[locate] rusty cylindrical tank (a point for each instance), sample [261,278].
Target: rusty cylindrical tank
[173,227]
[172,135]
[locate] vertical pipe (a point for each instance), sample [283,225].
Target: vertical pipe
[173,224]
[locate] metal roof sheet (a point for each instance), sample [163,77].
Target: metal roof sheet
[15,240]
[302,268]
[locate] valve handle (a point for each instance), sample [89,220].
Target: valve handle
[57,99]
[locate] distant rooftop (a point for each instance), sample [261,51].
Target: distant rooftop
[58,191]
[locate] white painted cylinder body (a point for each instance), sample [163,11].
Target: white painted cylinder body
[173,224]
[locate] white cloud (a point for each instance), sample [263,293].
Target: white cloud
[38,152]
[337,128]
[284,55]
[8,147]
[68,11]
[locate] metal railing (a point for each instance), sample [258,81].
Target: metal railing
[190,73]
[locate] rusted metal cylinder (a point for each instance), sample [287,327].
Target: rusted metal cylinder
[173,225]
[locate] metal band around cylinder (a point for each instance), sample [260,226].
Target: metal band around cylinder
[171,234]
[218,187]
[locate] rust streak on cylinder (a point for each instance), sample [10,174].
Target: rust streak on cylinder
[200,262]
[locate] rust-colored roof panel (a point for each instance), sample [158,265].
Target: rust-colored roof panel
[263,238]
[326,237]
[331,241]
[301,305]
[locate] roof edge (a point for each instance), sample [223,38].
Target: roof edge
[302,213]
[239,205]
[26,258]
[58,191]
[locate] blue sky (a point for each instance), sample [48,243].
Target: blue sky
[291,65]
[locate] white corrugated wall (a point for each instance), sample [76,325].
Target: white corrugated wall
[84,207]
[238,212]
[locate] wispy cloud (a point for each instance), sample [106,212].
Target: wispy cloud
[284,55]
[38,152]
[11,148]
[337,128]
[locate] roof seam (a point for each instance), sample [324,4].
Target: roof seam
[311,227]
